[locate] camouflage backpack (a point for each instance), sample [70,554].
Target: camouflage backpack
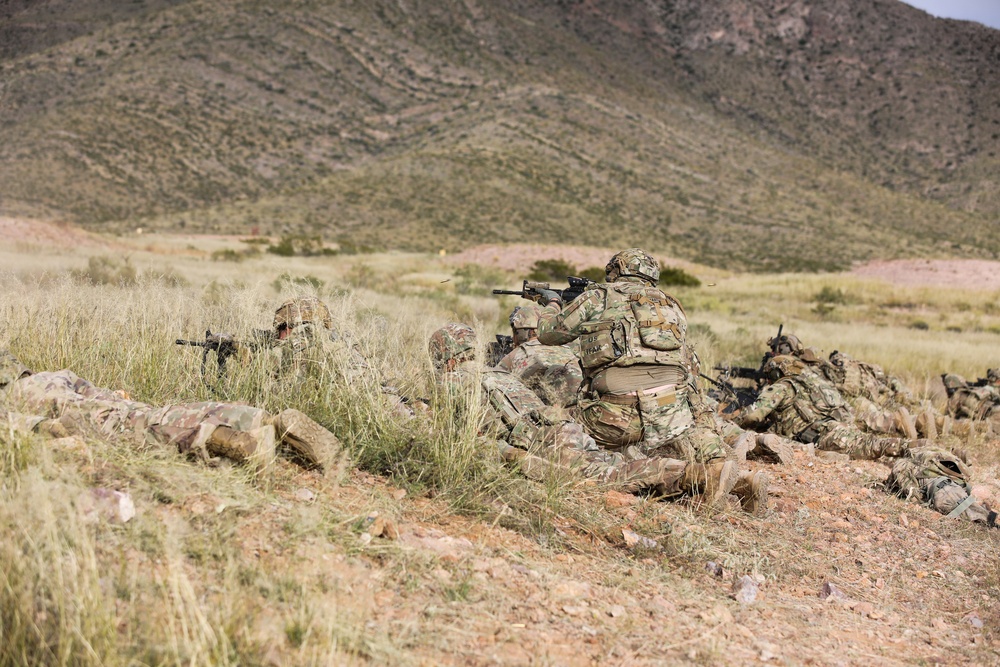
[11,368]
[817,400]
[925,463]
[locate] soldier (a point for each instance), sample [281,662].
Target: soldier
[635,361]
[540,442]
[939,479]
[61,403]
[978,401]
[551,371]
[797,403]
[304,333]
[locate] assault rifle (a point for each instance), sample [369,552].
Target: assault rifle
[530,289]
[225,346]
[499,349]
[735,398]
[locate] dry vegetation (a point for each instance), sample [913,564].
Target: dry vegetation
[489,568]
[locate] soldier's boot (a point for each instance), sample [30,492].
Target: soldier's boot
[744,444]
[773,448]
[316,446]
[943,424]
[927,425]
[751,489]
[711,481]
[904,422]
[255,447]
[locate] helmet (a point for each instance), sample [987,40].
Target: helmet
[782,365]
[452,342]
[302,310]
[633,262]
[524,317]
[785,344]
[952,382]
[11,368]
[993,375]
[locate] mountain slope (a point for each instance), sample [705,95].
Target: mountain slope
[754,134]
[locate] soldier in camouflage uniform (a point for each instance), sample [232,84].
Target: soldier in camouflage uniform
[799,404]
[979,401]
[939,479]
[551,371]
[540,442]
[60,403]
[636,388]
[304,334]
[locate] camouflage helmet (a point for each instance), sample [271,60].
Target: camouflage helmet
[302,310]
[782,365]
[993,375]
[525,317]
[786,344]
[633,262]
[11,368]
[952,382]
[452,342]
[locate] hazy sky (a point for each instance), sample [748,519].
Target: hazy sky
[984,11]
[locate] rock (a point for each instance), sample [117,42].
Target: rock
[399,494]
[389,530]
[634,540]
[305,495]
[744,590]
[575,610]
[575,590]
[974,620]
[445,546]
[617,611]
[831,591]
[714,568]
[112,506]
[768,651]
[864,608]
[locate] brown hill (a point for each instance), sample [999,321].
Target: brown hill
[761,134]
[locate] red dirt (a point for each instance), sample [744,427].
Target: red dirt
[957,273]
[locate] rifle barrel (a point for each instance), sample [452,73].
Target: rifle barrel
[193,343]
[508,291]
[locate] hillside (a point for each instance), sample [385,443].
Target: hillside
[758,135]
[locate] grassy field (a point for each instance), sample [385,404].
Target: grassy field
[222,567]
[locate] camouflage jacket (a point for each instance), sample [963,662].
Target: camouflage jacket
[855,378]
[551,371]
[624,323]
[975,402]
[795,404]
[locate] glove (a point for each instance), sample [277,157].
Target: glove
[547,296]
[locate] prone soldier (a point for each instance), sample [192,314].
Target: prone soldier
[551,371]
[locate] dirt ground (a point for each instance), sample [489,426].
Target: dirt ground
[958,273]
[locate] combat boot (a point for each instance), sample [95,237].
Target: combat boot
[773,448]
[316,446]
[255,447]
[904,422]
[751,489]
[712,481]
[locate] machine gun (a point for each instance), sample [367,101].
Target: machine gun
[531,290]
[225,346]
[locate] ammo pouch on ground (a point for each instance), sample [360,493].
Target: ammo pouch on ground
[656,317]
[809,436]
[597,346]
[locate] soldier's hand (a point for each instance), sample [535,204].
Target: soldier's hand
[547,296]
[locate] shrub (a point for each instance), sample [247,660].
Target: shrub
[305,246]
[919,325]
[552,271]
[107,271]
[595,273]
[677,277]
[227,255]
[830,295]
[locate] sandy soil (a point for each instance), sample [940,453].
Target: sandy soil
[958,273]
[50,234]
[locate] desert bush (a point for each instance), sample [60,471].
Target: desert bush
[551,271]
[300,245]
[103,270]
[672,276]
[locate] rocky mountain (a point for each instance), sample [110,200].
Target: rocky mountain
[763,134]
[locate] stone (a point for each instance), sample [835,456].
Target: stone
[112,506]
[634,540]
[831,591]
[305,495]
[617,611]
[745,590]
[714,568]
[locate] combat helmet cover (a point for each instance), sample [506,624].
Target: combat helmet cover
[633,262]
[302,310]
[452,342]
[524,317]
[11,368]
[993,375]
[786,344]
[952,382]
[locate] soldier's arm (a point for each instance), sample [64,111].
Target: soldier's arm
[772,398]
[558,326]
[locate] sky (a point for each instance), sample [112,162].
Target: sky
[984,11]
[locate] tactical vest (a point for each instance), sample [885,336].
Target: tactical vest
[639,325]
[815,402]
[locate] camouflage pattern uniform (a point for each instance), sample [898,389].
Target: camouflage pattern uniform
[636,388]
[551,371]
[531,436]
[801,405]
[65,403]
[967,401]
[854,378]
[939,479]
[305,336]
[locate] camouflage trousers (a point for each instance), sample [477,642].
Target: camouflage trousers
[659,424]
[567,448]
[858,445]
